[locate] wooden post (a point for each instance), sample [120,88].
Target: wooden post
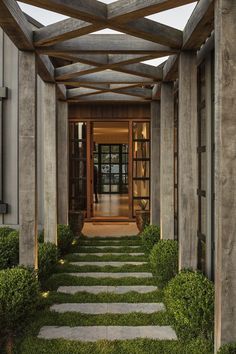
[188,166]
[155,163]
[50,163]
[62,162]
[27,159]
[167,160]
[225,170]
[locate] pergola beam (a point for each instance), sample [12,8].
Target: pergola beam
[200,25]
[15,25]
[108,97]
[170,70]
[89,10]
[136,92]
[126,10]
[109,43]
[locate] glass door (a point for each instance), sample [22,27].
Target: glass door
[141,165]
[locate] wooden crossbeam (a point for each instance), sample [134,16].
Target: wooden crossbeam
[135,92]
[126,10]
[87,10]
[108,77]
[109,43]
[63,30]
[15,25]
[170,70]
[108,97]
[200,25]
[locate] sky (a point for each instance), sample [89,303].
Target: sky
[177,18]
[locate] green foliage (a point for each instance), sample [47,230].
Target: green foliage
[19,293]
[9,250]
[150,236]
[48,258]
[164,260]
[41,236]
[189,298]
[228,349]
[64,238]
[5,231]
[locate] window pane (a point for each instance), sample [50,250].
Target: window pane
[141,188]
[141,130]
[141,169]
[115,158]
[105,179]
[138,207]
[125,158]
[105,158]
[115,148]
[105,168]
[115,179]
[124,148]
[115,168]
[105,188]
[114,188]
[106,148]
[141,150]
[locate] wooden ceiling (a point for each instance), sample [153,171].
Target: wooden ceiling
[106,67]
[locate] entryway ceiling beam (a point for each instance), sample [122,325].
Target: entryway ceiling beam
[109,97]
[136,92]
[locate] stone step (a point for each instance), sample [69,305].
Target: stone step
[111,275]
[113,308]
[103,264]
[97,289]
[114,247]
[108,253]
[95,333]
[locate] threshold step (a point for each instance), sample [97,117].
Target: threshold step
[111,275]
[115,247]
[95,333]
[98,289]
[113,308]
[108,254]
[103,264]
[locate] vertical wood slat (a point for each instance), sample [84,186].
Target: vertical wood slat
[155,163]
[50,163]
[28,159]
[225,170]
[62,162]
[130,170]
[188,166]
[167,160]
[1,116]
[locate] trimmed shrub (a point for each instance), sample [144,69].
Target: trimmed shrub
[41,236]
[48,258]
[164,260]
[228,349]
[64,238]
[9,250]
[19,294]
[5,231]
[189,298]
[150,236]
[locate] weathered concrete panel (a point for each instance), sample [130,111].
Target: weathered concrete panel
[40,152]
[225,172]
[167,161]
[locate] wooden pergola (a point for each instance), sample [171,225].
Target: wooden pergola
[106,67]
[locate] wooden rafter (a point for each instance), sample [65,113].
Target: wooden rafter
[109,97]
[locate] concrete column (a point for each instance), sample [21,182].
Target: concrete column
[188,164]
[50,163]
[62,162]
[167,161]
[225,172]
[27,159]
[155,163]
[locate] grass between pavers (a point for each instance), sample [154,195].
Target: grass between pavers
[53,297]
[67,280]
[140,346]
[110,243]
[108,250]
[106,258]
[70,268]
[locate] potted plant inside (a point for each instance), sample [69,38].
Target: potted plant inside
[142,215]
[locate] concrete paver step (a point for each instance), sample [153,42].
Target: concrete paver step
[111,275]
[95,333]
[113,308]
[97,289]
[110,254]
[103,264]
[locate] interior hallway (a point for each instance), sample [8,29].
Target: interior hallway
[112,205]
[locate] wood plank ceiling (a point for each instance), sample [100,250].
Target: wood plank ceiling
[106,67]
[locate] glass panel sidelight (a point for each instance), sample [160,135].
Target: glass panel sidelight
[141,164]
[78,169]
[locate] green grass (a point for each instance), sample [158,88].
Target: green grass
[84,297]
[142,346]
[70,268]
[108,250]
[66,280]
[106,258]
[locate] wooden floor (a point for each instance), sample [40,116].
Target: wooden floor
[92,229]
[112,205]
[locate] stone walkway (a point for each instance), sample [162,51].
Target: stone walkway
[114,332]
